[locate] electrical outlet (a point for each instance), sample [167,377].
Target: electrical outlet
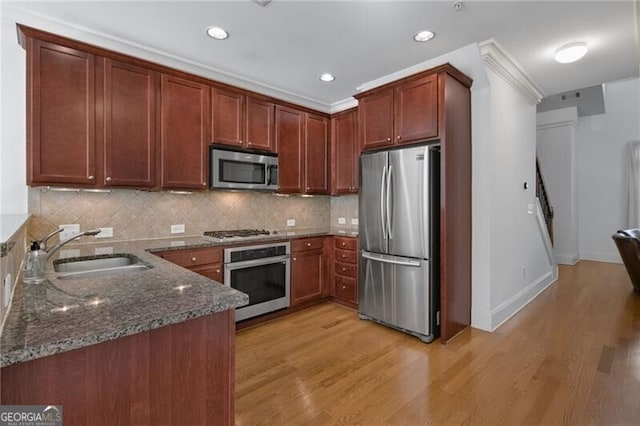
[291,222]
[69,230]
[177,229]
[354,221]
[342,221]
[105,233]
[104,250]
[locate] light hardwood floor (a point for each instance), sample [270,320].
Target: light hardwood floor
[572,356]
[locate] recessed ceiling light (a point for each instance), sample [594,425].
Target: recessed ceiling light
[571,52]
[326,77]
[424,35]
[217,33]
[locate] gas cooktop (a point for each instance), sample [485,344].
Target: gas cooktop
[233,235]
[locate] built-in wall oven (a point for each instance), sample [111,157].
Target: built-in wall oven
[262,272]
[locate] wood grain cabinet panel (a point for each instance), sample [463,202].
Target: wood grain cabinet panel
[204,261]
[416,113]
[345,270]
[308,276]
[345,152]
[375,119]
[289,141]
[260,128]
[184,133]
[129,138]
[61,115]
[316,174]
[228,117]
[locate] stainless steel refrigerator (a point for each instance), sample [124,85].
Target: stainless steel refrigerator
[399,233]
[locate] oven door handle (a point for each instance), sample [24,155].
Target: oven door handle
[256,262]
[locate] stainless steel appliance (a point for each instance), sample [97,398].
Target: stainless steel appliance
[399,209]
[233,169]
[262,272]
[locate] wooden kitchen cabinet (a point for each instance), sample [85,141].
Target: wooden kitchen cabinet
[316,151]
[345,270]
[345,153]
[308,270]
[60,115]
[289,141]
[242,121]
[184,133]
[128,134]
[205,261]
[404,112]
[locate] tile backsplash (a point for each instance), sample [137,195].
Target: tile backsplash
[345,206]
[137,214]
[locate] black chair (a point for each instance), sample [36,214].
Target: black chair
[628,243]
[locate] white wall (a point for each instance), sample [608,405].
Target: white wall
[518,265]
[13,189]
[556,145]
[601,143]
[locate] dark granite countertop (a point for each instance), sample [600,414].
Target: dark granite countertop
[60,315]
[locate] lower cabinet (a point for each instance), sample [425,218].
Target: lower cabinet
[345,270]
[308,270]
[204,261]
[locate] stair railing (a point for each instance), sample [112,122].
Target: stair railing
[543,197]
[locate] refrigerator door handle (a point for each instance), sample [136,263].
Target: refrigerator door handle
[382,197]
[377,258]
[389,201]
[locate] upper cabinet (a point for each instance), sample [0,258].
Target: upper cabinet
[289,140]
[242,121]
[61,115]
[316,176]
[128,126]
[403,112]
[345,152]
[185,133]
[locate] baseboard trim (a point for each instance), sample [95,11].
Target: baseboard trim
[490,320]
[601,257]
[567,260]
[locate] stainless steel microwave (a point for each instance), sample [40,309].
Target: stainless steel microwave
[233,169]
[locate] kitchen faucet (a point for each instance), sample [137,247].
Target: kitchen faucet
[68,240]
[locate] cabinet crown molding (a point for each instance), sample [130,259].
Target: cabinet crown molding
[498,60]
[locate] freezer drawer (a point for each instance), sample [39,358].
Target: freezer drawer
[396,291]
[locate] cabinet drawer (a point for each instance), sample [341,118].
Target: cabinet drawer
[197,257]
[304,244]
[346,256]
[346,289]
[346,269]
[346,243]
[212,272]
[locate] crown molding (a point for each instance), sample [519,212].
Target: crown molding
[128,47]
[498,60]
[343,105]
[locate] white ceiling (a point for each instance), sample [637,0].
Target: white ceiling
[287,44]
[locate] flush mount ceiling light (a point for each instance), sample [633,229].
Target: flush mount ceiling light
[326,77]
[424,35]
[217,33]
[571,52]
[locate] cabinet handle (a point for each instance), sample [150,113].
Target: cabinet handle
[344,255]
[294,258]
[108,179]
[399,137]
[193,259]
[308,244]
[344,244]
[204,183]
[344,269]
[217,271]
[344,287]
[240,142]
[388,139]
[248,143]
[91,177]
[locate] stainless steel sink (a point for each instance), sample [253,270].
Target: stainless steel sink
[97,266]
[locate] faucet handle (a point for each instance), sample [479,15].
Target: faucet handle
[43,241]
[92,232]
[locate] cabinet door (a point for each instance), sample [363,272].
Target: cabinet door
[212,272]
[308,273]
[344,154]
[417,110]
[129,124]
[184,133]
[316,154]
[61,115]
[228,117]
[259,129]
[289,138]
[346,289]
[375,119]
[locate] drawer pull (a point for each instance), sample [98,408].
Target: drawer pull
[308,244]
[344,256]
[344,269]
[344,287]
[294,258]
[344,244]
[217,271]
[193,259]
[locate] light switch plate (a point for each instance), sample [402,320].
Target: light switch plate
[105,233]
[342,221]
[177,229]
[291,222]
[354,221]
[69,230]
